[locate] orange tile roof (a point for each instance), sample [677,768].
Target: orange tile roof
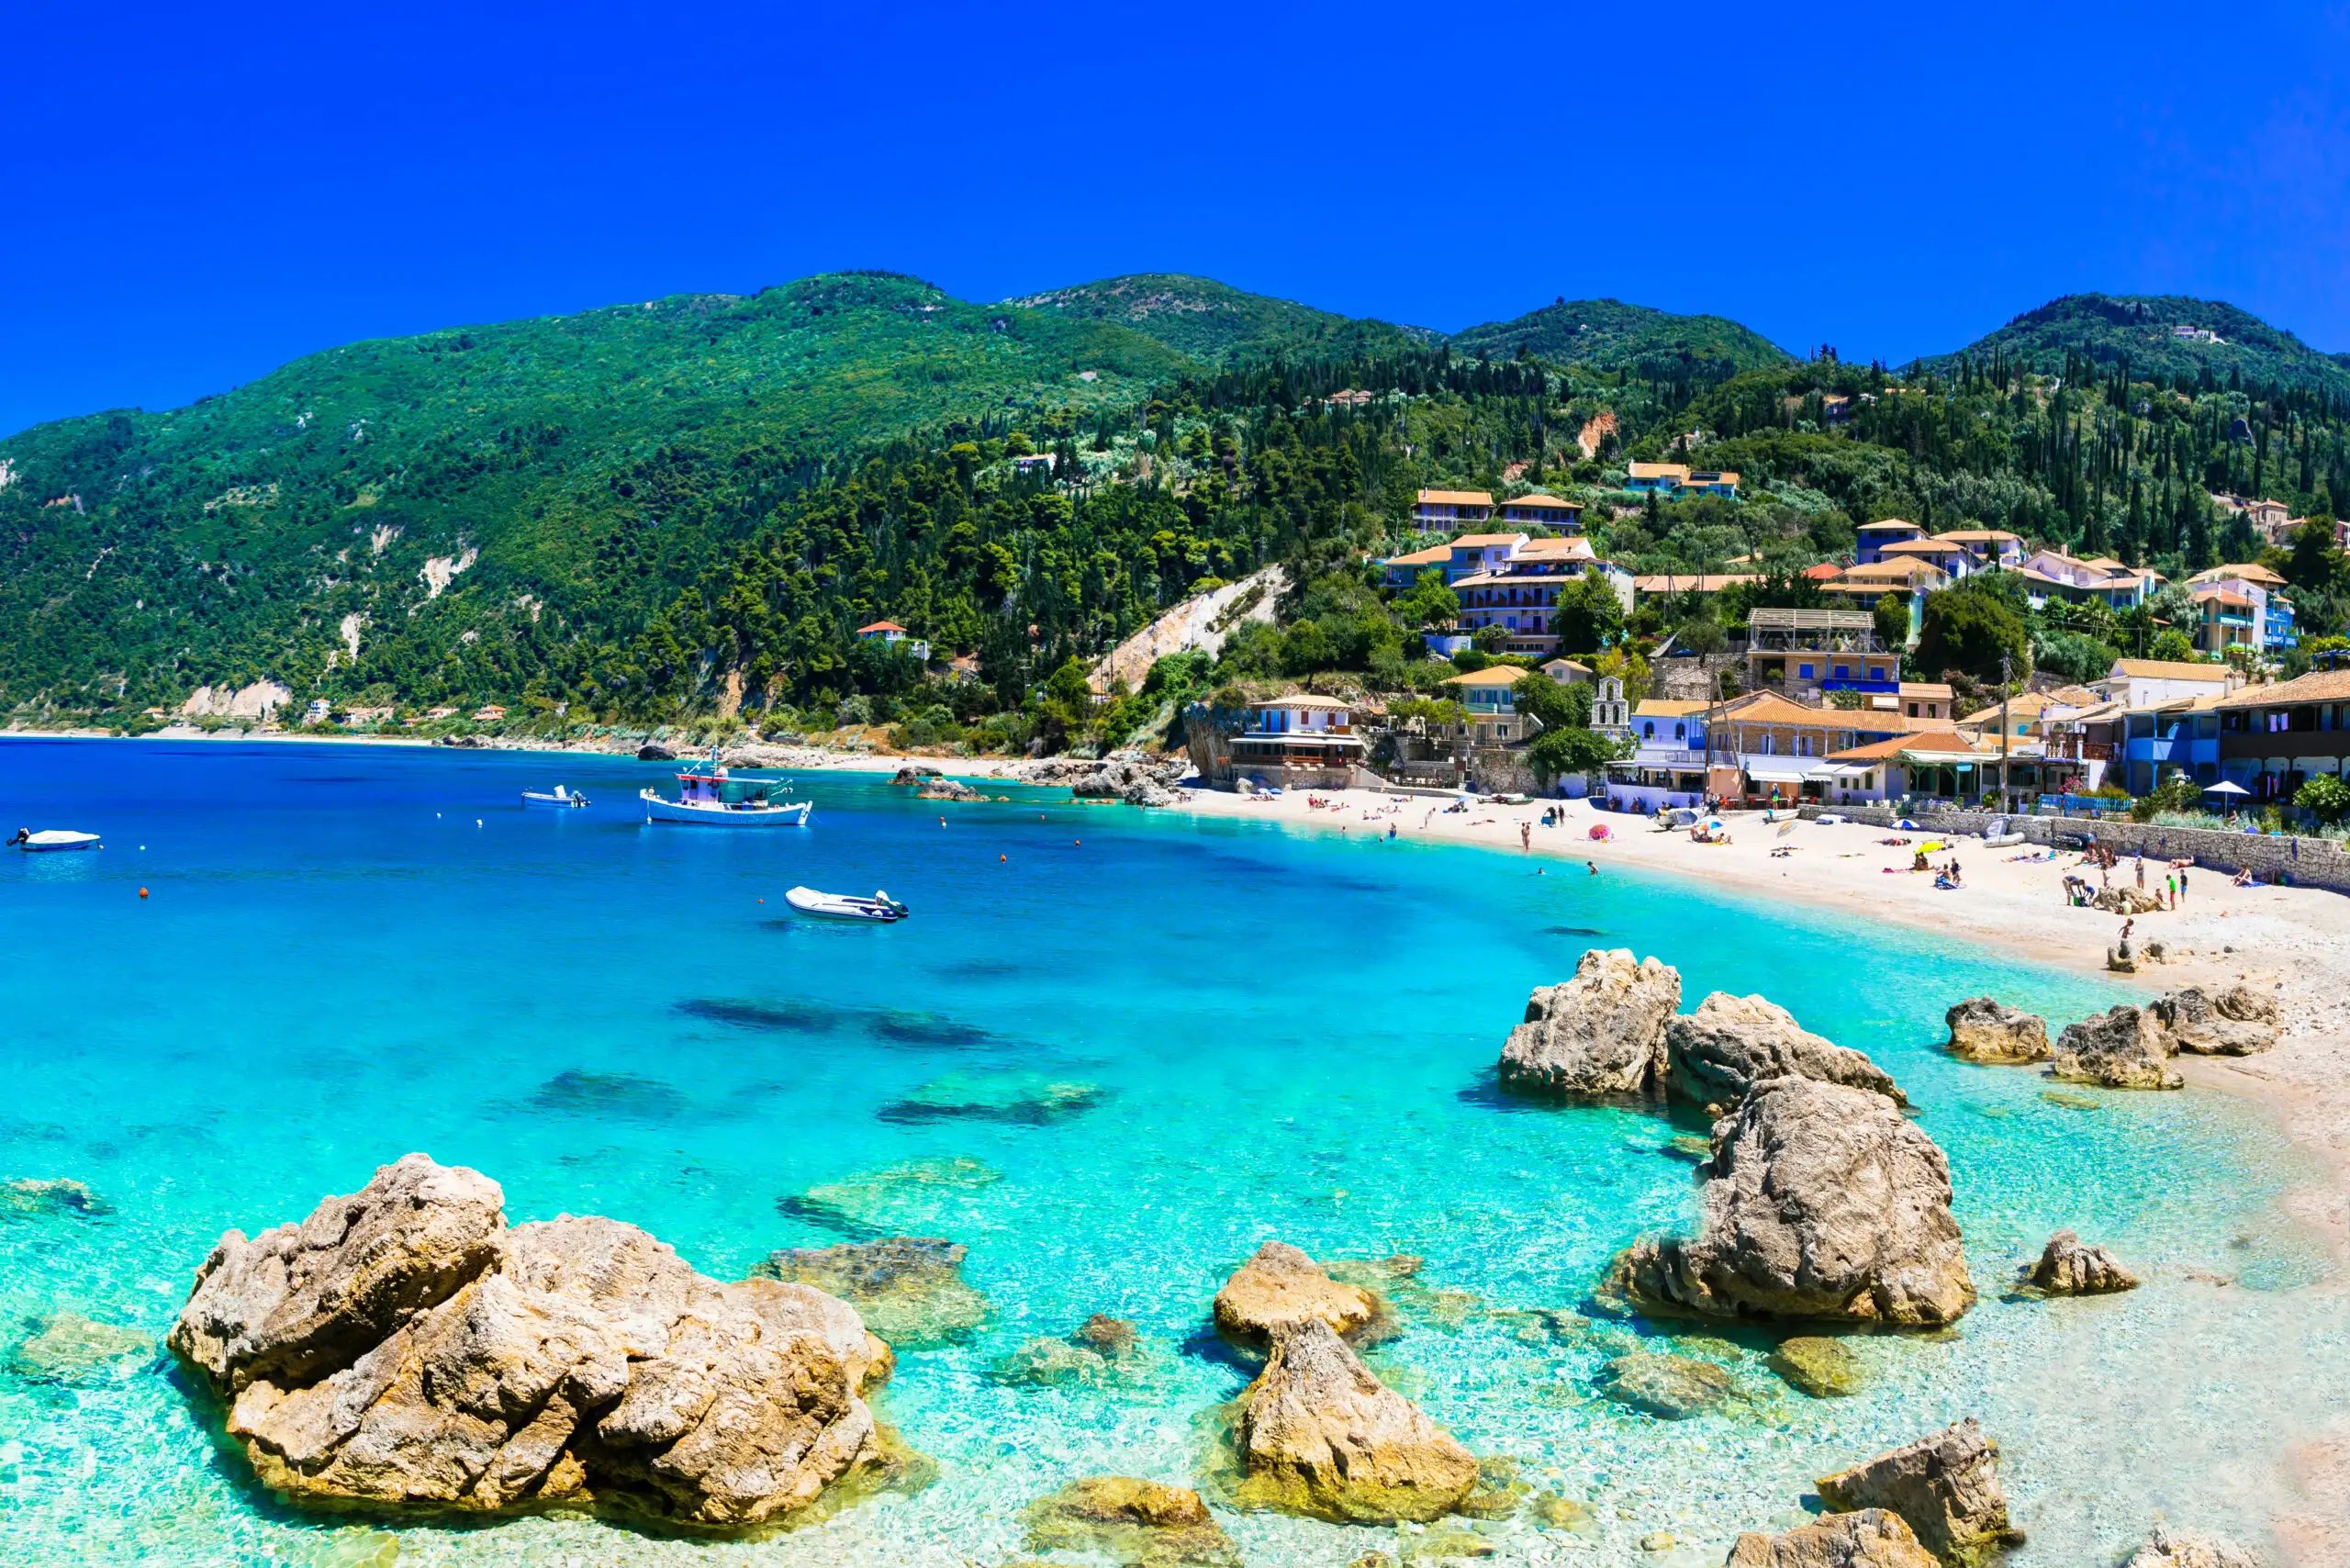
[1455,499]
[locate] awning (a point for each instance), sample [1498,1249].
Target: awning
[1777,772]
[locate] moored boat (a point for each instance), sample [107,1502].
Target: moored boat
[881,907]
[53,838]
[560,797]
[711,799]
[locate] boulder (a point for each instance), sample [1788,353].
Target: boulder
[948,789]
[66,1347]
[2168,1548]
[909,1289]
[1822,1367]
[2120,959]
[2126,901]
[1128,1521]
[1281,1288]
[1870,1539]
[1946,1487]
[914,774]
[2236,1022]
[654,750]
[2124,1048]
[1319,1434]
[1987,1031]
[1825,1203]
[1600,1034]
[1731,1043]
[1672,1387]
[2069,1267]
[35,1197]
[403,1347]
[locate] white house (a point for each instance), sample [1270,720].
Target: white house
[2052,574]
[1299,739]
[2145,683]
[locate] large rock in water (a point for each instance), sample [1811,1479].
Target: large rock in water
[1601,1034]
[1280,1289]
[1945,1486]
[401,1347]
[2168,1548]
[1320,1435]
[1142,1523]
[1987,1031]
[2124,1048]
[2068,1266]
[1870,1539]
[2236,1022]
[908,1289]
[1825,1203]
[1731,1043]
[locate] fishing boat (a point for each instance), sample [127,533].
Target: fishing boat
[881,907]
[710,797]
[53,838]
[561,797]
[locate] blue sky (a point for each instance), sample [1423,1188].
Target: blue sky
[193,196]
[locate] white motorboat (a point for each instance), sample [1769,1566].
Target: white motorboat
[881,907]
[53,838]
[711,799]
[561,797]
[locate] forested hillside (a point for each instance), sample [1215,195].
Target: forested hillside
[2227,349]
[687,508]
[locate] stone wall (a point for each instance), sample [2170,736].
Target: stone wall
[2304,862]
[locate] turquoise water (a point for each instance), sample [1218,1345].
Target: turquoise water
[348,953]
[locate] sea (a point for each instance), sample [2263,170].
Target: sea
[1111,1052]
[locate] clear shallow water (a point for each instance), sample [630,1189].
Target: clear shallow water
[351,953]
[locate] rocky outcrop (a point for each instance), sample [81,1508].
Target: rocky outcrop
[1946,1487]
[1280,1289]
[1672,1387]
[1982,1030]
[2168,1548]
[1134,783]
[402,1348]
[2067,1266]
[2126,901]
[948,789]
[1824,1204]
[912,775]
[2124,1048]
[1600,1034]
[1870,1539]
[909,1289]
[1820,1367]
[1142,1523]
[2236,1022]
[1319,1434]
[1731,1043]
[654,750]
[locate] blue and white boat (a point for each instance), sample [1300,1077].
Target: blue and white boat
[562,797]
[33,843]
[711,799]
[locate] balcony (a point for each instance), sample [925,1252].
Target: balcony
[1890,687]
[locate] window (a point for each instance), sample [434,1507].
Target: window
[1803,672]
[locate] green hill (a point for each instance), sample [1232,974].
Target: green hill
[2144,329]
[564,473]
[1607,334]
[1211,321]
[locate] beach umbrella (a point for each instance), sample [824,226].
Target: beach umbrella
[2225,787]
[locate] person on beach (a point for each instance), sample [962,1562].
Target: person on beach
[1592,866]
[2182,884]
[1526,835]
[2142,871]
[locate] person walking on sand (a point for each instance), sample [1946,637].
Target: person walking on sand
[2142,870]
[1525,836]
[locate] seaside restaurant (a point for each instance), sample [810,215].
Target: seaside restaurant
[1298,740]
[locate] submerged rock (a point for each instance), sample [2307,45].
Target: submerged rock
[2168,1548]
[1141,1523]
[1280,1289]
[2236,1022]
[1672,1387]
[1946,1487]
[1870,1539]
[69,1348]
[1031,1098]
[1320,1435]
[1823,1368]
[2069,1267]
[622,1096]
[2124,1048]
[401,1348]
[912,1195]
[1824,1202]
[1103,1350]
[908,1289]
[33,1197]
[1982,1030]
[1731,1043]
[1599,1035]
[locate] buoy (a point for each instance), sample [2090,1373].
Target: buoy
[1003,856]
[763,901]
[142,892]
